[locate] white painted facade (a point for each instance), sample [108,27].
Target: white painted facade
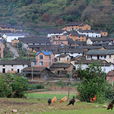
[9,37]
[71,54]
[75,54]
[104,68]
[12,68]
[63,59]
[56,34]
[108,58]
[89,34]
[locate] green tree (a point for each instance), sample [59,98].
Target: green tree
[93,84]
[12,85]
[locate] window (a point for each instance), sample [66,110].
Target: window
[41,56]
[41,62]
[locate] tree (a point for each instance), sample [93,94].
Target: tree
[12,85]
[93,84]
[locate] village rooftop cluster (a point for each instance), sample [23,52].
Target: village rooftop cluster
[58,53]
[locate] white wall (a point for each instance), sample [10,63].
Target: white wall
[10,38]
[14,67]
[104,68]
[108,58]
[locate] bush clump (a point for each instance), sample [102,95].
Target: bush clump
[94,84]
[12,85]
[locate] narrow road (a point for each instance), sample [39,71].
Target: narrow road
[13,50]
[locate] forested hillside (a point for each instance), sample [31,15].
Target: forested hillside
[46,13]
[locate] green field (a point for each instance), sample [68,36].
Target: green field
[46,96]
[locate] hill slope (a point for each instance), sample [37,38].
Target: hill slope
[46,13]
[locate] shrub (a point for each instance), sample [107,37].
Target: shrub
[13,86]
[93,84]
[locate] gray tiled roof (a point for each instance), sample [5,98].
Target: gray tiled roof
[35,40]
[100,52]
[14,62]
[82,60]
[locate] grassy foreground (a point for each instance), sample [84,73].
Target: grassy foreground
[39,106]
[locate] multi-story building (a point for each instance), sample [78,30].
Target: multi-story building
[44,59]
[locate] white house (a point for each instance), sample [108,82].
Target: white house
[13,66]
[11,36]
[57,33]
[89,33]
[102,54]
[83,64]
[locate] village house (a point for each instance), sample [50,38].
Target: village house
[104,33]
[77,37]
[12,36]
[101,54]
[9,28]
[44,59]
[63,58]
[110,77]
[61,69]
[35,42]
[36,73]
[55,32]
[90,33]
[59,40]
[73,44]
[82,63]
[76,26]
[100,41]
[13,66]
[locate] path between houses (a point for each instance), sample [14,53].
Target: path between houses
[13,50]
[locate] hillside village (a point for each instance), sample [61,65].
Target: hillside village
[60,52]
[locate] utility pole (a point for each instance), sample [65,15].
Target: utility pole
[32,73]
[69,76]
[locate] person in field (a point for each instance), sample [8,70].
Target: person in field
[72,101]
[110,106]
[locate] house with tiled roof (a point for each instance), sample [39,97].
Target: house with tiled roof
[82,62]
[101,54]
[61,69]
[90,33]
[63,58]
[76,26]
[100,41]
[44,59]
[13,66]
[59,40]
[74,35]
